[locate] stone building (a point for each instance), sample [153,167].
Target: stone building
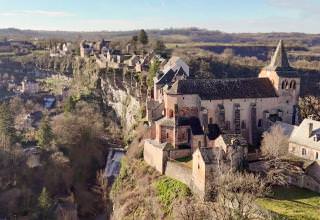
[88,48]
[246,106]
[305,140]
[30,86]
[213,120]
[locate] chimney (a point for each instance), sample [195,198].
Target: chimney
[310,129]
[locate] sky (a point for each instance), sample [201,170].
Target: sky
[232,16]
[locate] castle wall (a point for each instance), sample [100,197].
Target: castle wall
[179,172]
[179,153]
[154,155]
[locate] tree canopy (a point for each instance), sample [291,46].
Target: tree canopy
[7,130]
[143,37]
[44,134]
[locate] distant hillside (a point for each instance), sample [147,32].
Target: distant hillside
[171,35]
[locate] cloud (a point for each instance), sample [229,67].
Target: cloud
[305,7]
[37,13]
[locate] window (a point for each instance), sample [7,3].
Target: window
[284,84]
[167,135]
[210,121]
[293,149]
[317,156]
[243,125]
[199,144]
[304,152]
[171,113]
[260,123]
[293,84]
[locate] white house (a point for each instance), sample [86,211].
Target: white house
[305,140]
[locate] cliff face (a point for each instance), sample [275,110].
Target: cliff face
[122,94]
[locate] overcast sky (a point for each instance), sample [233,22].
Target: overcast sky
[224,15]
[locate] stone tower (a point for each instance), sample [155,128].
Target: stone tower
[285,80]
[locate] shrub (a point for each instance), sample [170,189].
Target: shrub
[168,190]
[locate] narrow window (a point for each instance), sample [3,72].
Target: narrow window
[167,135]
[304,152]
[260,123]
[317,156]
[210,121]
[199,144]
[243,125]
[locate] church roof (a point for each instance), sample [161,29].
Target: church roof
[219,89]
[280,62]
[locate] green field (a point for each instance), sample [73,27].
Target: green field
[293,203]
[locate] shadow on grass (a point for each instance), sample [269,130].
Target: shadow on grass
[293,193]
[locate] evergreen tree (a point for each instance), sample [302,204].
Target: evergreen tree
[44,204]
[44,134]
[7,131]
[143,37]
[135,39]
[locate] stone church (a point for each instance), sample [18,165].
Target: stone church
[192,113]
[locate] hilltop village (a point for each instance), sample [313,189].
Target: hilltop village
[143,129]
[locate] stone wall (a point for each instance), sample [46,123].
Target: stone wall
[179,172]
[305,181]
[155,156]
[314,170]
[179,153]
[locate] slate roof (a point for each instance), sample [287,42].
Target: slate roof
[193,122]
[167,77]
[219,89]
[288,129]
[213,131]
[280,62]
[169,122]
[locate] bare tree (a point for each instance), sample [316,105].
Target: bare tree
[236,196]
[102,189]
[274,143]
[309,106]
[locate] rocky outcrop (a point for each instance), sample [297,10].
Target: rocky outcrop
[123,95]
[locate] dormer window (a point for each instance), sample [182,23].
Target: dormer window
[316,138]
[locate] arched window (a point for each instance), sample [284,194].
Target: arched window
[171,113]
[284,84]
[293,84]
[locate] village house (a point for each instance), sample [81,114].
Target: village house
[88,48]
[29,86]
[304,141]
[60,50]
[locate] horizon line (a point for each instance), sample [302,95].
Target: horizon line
[157,29]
